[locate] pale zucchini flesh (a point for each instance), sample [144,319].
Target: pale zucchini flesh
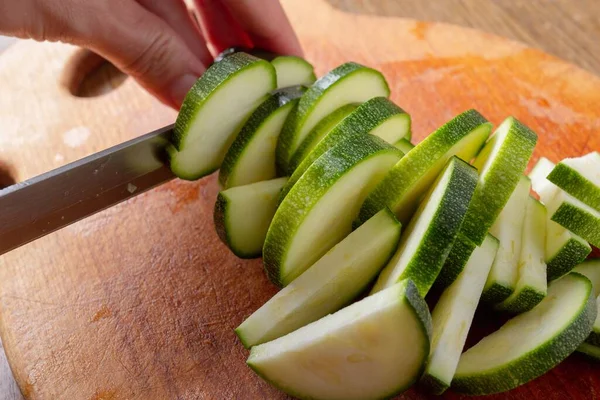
[589,350]
[591,270]
[372,349]
[251,156]
[580,177]
[532,343]
[349,83]
[293,71]
[332,282]
[531,286]
[243,215]
[403,187]
[453,315]
[508,228]
[318,211]
[429,236]
[214,110]
[404,145]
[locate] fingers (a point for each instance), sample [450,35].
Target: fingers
[266,24]
[219,26]
[177,16]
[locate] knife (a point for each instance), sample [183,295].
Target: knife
[48,202]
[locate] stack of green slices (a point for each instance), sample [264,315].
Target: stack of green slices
[357,225]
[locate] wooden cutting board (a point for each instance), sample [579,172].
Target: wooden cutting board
[140,301]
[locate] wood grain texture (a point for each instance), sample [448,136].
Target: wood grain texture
[140,301]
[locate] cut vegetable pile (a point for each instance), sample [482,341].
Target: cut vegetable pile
[357,225]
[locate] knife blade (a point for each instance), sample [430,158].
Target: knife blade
[55,199]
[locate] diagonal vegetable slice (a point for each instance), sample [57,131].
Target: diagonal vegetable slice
[564,249]
[318,211]
[453,315]
[545,336]
[404,145]
[371,349]
[379,117]
[251,156]
[457,259]
[243,214]
[346,84]
[531,286]
[580,177]
[576,216]
[293,71]
[329,284]
[508,228]
[403,187]
[591,270]
[428,238]
[210,119]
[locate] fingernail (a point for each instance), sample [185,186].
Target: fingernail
[181,87]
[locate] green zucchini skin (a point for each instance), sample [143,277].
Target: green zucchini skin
[527,299]
[579,221]
[279,101]
[459,255]
[578,186]
[573,253]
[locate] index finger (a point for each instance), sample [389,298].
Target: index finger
[266,24]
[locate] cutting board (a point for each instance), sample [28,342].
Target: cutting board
[140,301]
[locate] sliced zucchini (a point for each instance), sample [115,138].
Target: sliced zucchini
[457,259]
[251,156]
[591,270]
[371,349]
[453,315]
[318,211]
[580,177]
[209,120]
[501,163]
[508,228]
[404,145]
[427,240]
[575,216]
[403,187]
[589,350]
[377,116]
[332,282]
[317,133]
[532,343]
[531,286]
[293,71]
[564,249]
[346,84]
[243,215]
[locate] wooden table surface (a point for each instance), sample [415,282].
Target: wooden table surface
[568,29]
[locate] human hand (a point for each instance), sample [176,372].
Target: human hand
[157,42]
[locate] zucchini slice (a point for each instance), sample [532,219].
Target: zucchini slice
[320,130]
[427,240]
[564,249]
[377,116]
[508,228]
[251,156]
[531,286]
[532,343]
[403,187]
[580,177]
[371,349]
[243,215]
[501,163]
[293,71]
[457,259]
[591,270]
[589,350]
[404,145]
[453,315]
[346,84]
[318,211]
[332,282]
[575,216]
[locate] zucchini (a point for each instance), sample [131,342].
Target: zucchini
[242,215]
[403,187]
[293,71]
[575,216]
[332,282]
[459,255]
[564,249]
[589,350]
[453,315]
[318,211]
[209,121]
[251,156]
[580,177]
[372,349]
[591,270]
[377,116]
[531,286]
[532,343]
[501,163]
[508,228]
[346,84]
[427,240]
[404,145]
[320,130]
